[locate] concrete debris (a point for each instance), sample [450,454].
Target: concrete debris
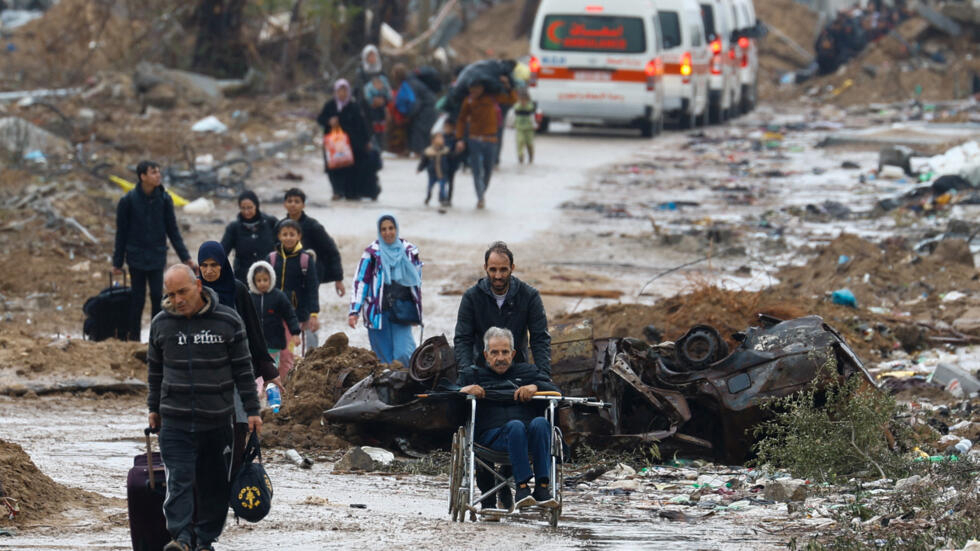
[209,124]
[364,458]
[19,137]
[783,490]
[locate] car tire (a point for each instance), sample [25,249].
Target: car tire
[543,125]
[647,129]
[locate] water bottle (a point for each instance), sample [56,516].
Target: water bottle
[274,397]
[963,446]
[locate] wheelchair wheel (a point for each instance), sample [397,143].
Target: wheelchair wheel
[456,469]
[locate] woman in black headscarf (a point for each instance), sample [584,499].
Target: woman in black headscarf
[252,236]
[216,273]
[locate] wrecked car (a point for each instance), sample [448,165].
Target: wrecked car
[693,396]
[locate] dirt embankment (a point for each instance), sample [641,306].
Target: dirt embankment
[491,35]
[312,387]
[38,497]
[906,290]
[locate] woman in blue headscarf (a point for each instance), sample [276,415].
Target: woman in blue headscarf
[387,293]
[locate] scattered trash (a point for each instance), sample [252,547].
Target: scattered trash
[210,124]
[844,297]
[299,460]
[200,206]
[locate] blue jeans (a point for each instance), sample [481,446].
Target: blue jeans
[482,155]
[443,189]
[392,342]
[518,439]
[203,457]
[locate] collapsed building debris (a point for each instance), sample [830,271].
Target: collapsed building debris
[691,396]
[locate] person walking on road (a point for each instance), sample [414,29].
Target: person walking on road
[144,220]
[198,353]
[524,112]
[296,274]
[328,266]
[275,311]
[252,236]
[502,300]
[417,102]
[216,275]
[388,288]
[477,124]
[342,113]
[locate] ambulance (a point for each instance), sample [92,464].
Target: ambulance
[687,59]
[747,32]
[597,62]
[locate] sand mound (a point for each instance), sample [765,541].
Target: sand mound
[37,495]
[313,386]
[27,358]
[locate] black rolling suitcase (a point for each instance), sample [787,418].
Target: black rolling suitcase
[107,313]
[146,486]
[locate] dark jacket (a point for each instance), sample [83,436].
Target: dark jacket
[262,363]
[274,308]
[436,163]
[522,313]
[351,121]
[194,364]
[490,413]
[251,240]
[423,115]
[301,289]
[315,238]
[143,224]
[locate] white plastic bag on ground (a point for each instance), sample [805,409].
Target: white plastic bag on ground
[210,124]
[201,205]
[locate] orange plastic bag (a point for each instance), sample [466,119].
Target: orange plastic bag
[336,148]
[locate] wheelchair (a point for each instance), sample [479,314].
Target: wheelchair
[468,456]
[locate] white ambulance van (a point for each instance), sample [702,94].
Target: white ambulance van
[686,61]
[597,62]
[747,33]
[724,89]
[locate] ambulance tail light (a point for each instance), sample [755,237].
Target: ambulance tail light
[743,43]
[716,56]
[686,68]
[535,66]
[653,70]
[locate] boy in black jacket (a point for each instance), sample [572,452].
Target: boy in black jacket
[276,313]
[316,239]
[510,421]
[435,161]
[295,271]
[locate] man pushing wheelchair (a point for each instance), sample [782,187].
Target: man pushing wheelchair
[508,420]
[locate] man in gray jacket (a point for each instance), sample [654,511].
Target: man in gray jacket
[198,354]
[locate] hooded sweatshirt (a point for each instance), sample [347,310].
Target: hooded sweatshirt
[273,308]
[194,364]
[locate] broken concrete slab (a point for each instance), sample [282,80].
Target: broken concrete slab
[356,459]
[18,136]
[786,489]
[936,137]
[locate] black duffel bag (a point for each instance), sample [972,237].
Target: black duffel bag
[251,490]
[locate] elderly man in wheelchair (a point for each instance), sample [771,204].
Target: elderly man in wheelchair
[514,425]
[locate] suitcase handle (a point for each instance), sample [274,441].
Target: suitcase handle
[112,279]
[149,453]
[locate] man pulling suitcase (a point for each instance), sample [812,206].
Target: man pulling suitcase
[197,354]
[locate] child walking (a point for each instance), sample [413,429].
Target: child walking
[295,271]
[276,313]
[435,160]
[524,111]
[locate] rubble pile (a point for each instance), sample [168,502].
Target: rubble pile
[776,55]
[312,387]
[37,496]
[32,365]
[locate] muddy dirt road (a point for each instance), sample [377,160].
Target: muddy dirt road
[89,443]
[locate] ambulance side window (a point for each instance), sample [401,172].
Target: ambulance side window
[671,26]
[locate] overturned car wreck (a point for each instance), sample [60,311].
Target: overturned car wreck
[691,396]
